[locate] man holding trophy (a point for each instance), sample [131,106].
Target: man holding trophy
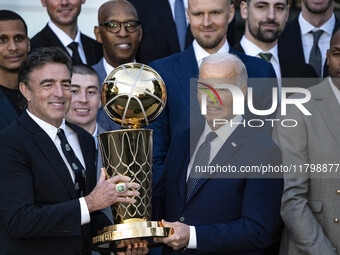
[49,200]
[219,214]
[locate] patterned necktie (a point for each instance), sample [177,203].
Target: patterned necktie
[78,169]
[266,56]
[181,23]
[75,54]
[315,53]
[201,159]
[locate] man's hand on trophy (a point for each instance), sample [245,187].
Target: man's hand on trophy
[133,247]
[179,239]
[110,191]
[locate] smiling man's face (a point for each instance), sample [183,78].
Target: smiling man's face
[121,47]
[14,45]
[85,100]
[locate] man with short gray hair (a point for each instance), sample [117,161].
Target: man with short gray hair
[226,213]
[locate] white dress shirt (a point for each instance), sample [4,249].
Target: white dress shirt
[335,90]
[94,135]
[172,6]
[223,134]
[66,40]
[307,37]
[253,50]
[72,138]
[200,53]
[108,68]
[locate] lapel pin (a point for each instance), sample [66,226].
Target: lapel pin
[233,144]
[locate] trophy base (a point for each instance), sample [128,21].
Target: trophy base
[118,237]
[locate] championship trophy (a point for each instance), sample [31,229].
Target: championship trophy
[133,95]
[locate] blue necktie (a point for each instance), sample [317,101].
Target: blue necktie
[78,169]
[201,159]
[181,23]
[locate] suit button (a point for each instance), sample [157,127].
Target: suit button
[336,220]
[338,191]
[181,219]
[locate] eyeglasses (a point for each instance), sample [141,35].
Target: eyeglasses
[114,26]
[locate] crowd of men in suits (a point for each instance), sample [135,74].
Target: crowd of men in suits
[53,192]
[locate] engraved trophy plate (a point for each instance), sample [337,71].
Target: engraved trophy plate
[133,95]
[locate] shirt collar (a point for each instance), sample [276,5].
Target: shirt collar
[224,131]
[306,27]
[94,135]
[252,49]
[334,89]
[200,53]
[108,68]
[63,37]
[50,130]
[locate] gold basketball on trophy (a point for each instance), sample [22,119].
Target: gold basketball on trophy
[133,95]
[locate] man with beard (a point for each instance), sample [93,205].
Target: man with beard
[265,21]
[14,46]
[209,21]
[307,37]
[62,31]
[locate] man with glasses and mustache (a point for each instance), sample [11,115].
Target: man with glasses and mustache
[307,37]
[120,33]
[265,21]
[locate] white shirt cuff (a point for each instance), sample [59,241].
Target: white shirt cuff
[84,211]
[192,239]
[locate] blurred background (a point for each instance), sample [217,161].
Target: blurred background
[36,16]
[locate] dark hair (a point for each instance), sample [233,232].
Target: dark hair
[83,69]
[247,1]
[9,15]
[40,57]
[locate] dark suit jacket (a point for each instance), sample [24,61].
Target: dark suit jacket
[176,71]
[7,112]
[290,43]
[47,38]
[39,209]
[231,215]
[159,30]
[290,68]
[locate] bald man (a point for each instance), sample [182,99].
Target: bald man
[120,33]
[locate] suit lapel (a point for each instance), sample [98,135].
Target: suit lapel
[51,36]
[186,68]
[234,142]
[329,109]
[48,148]
[238,48]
